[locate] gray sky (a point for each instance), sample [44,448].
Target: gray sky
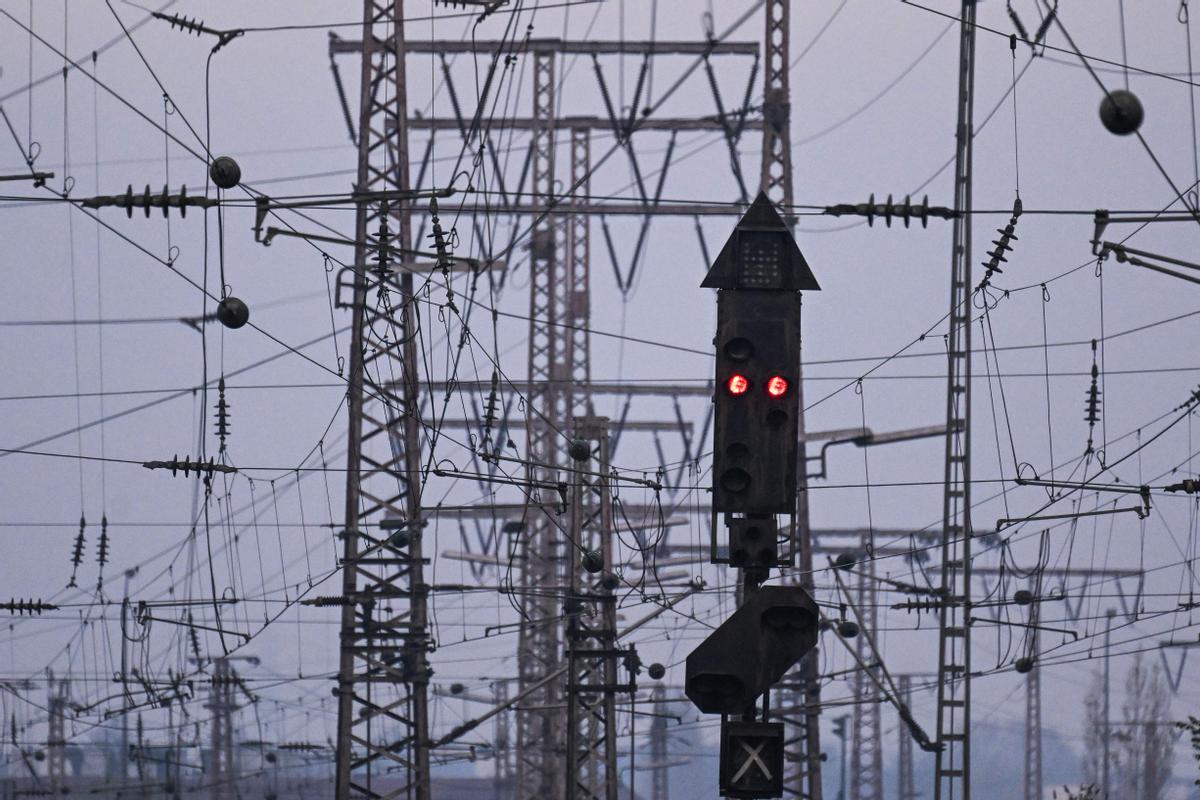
[873,104]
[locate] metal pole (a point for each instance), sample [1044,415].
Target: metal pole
[906,788]
[540,725]
[56,771]
[591,769]
[803,749]
[866,752]
[1108,618]
[952,770]
[1033,734]
[660,786]
[842,763]
[123,772]
[501,744]
[1033,708]
[221,773]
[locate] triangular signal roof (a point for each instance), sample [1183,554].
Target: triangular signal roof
[761,254]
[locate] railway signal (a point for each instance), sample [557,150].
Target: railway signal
[759,275]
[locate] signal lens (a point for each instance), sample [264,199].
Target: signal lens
[777,386]
[738,385]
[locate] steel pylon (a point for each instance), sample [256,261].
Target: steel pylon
[383,671]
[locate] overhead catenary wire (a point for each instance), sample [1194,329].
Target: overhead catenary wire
[446,336]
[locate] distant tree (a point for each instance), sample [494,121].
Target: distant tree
[1140,741]
[1093,737]
[1142,745]
[1192,727]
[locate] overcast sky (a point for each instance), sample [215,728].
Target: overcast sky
[873,111]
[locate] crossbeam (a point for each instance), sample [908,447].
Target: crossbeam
[585,123]
[561,46]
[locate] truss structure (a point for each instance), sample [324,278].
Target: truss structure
[866,722]
[802,692]
[591,644]
[383,714]
[383,724]
[952,770]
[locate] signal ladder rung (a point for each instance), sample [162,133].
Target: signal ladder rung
[950,773]
[956,631]
[954,737]
[950,703]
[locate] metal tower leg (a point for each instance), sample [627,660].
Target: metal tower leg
[952,777]
[1033,735]
[56,740]
[906,783]
[802,697]
[1033,716]
[222,771]
[590,611]
[776,176]
[866,750]
[660,786]
[577,312]
[501,744]
[540,721]
[384,672]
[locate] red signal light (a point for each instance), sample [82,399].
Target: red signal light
[777,386]
[738,385]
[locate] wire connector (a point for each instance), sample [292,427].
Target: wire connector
[326,602]
[146,201]
[31,607]
[222,415]
[445,261]
[201,468]
[1002,245]
[1091,408]
[890,210]
[77,554]
[199,28]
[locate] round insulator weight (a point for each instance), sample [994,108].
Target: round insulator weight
[1022,597]
[593,561]
[225,172]
[456,688]
[845,560]
[657,671]
[579,450]
[847,629]
[1121,112]
[1023,665]
[233,313]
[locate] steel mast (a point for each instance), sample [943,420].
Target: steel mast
[384,672]
[952,776]
[802,695]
